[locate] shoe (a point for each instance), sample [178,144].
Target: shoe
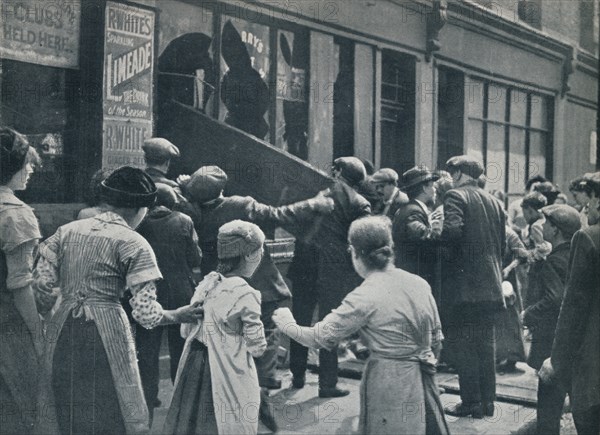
[332,392]
[488,409]
[462,410]
[298,382]
[271,384]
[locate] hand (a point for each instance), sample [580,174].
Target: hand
[546,373]
[282,317]
[522,317]
[190,313]
[505,273]
[322,204]
[183,179]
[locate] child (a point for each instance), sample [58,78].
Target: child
[533,237]
[216,389]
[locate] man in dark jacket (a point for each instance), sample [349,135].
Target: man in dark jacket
[414,237]
[328,274]
[574,361]
[386,183]
[205,189]
[474,234]
[172,237]
[547,284]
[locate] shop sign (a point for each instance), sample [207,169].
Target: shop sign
[128,83]
[41,31]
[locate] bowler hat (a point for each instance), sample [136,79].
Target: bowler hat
[385,175]
[158,148]
[416,176]
[465,164]
[564,217]
[206,184]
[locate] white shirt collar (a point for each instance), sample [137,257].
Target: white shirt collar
[423,206]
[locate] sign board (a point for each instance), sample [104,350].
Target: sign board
[128,84]
[41,32]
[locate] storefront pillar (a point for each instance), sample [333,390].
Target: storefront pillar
[320,106]
[425,113]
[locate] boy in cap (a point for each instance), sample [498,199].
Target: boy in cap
[574,361]
[474,236]
[386,184]
[172,236]
[546,290]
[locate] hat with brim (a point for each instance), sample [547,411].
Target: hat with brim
[128,187]
[417,176]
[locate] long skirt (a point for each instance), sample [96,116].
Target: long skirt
[84,391]
[192,410]
[400,397]
[509,334]
[19,371]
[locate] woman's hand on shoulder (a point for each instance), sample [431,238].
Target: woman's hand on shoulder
[190,313]
[283,317]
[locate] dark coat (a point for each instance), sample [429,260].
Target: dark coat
[546,290]
[267,278]
[398,200]
[474,238]
[172,237]
[576,349]
[414,246]
[329,233]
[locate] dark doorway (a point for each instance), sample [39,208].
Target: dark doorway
[451,112]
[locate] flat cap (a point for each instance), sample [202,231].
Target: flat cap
[564,217]
[385,175]
[352,169]
[418,175]
[238,238]
[466,164]
[158,148]
[206,184]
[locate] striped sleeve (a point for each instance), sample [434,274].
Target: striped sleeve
[139,262]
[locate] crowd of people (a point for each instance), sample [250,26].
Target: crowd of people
[426,270]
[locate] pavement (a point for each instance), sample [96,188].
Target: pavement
[303,412]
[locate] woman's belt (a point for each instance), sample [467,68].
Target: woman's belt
[80,305]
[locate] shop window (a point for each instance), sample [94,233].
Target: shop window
[291,131]
[245,70]
[510,132]
[185,64]
[42,103]
[397,111]
[343,98]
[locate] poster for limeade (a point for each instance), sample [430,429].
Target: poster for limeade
[128,85]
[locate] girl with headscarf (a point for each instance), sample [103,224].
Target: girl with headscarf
[217,390]
[396,316]
[20,342]
[90,359]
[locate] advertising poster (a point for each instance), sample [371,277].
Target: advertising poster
[41,32]
[128,86]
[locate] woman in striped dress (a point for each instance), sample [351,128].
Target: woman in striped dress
[90,356]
